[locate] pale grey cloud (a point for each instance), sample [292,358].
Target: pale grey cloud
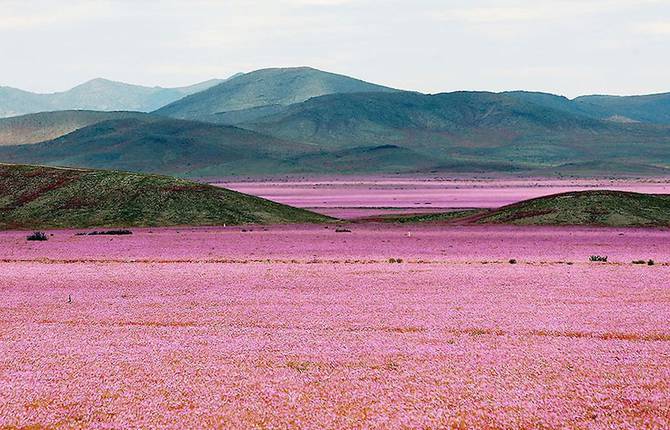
[564,46]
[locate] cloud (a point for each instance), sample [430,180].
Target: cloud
[653,27]
[18,16]
[539,10]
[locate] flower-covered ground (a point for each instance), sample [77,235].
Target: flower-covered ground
[304,327]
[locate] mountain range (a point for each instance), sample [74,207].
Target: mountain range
[302,120]
[96,94]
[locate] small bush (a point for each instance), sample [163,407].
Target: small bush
[512,261]
[395,260]
[598,258]
[639,262]
[650,262]
[38,235]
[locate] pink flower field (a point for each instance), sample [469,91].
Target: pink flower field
[289,327]
[345,197]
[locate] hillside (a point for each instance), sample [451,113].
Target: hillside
[165,146]
[97,94]
[652,108]
[603,208]
[378,132]
[36,197]
[467,128]
[267,87]
[39,127]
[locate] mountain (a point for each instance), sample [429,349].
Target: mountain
[653,108]
[468,129]
[374,132]
[603,208]
[266,87]
[38,127]
[160,145]
[36,197]
[97,94]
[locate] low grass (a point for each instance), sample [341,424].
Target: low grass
[36,197]
[599,208]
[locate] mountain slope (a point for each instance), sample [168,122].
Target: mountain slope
[605,208]
[466,127]
[39,127]
[265,87]
[653,108]
[97,94]
[35,197]
[464,132]
[159,146]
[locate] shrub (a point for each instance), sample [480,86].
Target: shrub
[395,260]
[639,262]
[512,261]
[37,235]
[598,258]
[650,262]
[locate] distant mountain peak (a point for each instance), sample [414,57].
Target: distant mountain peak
[267,87]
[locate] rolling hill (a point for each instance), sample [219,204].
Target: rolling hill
[603,208]
[467,128]
[652,108]
[39,127]
[263,88]
[160,145]
[593,208]
[373,132]
[97,94]
[35,197]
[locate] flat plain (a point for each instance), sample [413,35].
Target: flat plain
[357,197]
[306,327]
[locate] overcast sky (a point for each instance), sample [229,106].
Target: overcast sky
[569,47]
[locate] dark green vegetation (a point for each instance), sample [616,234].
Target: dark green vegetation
[37,236]
[97,94]
[602,208]
[267,89]
[38,127]
[42,197]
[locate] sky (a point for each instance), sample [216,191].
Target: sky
[568,47]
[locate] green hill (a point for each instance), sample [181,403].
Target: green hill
[262,88]
[602,208]
[35,197]
[593,208]
[463,132]
[165,146]
[652,108]
[465,128]
[39,127]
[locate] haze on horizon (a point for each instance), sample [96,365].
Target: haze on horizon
[569,47]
